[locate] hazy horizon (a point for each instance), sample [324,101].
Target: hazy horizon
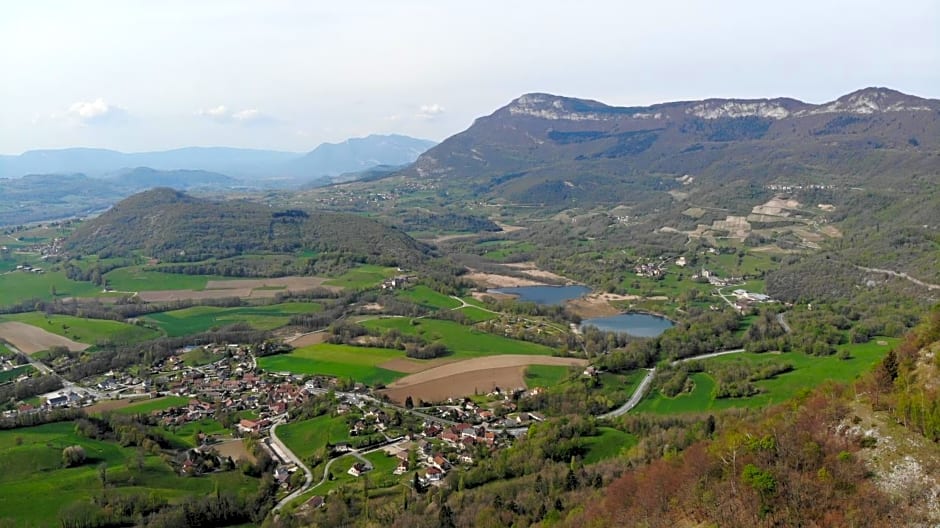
[135,76]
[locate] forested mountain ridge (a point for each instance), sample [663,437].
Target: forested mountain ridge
[173,226]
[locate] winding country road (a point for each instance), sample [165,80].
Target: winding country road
[641,389]
[296,460]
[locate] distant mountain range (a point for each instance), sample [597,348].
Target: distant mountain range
[326,160]
[559,151]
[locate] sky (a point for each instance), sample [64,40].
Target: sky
[288,75]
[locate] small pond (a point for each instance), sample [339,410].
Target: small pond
[545,294]
[635,324]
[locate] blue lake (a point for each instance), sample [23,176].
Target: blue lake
[545,294]
[635,324]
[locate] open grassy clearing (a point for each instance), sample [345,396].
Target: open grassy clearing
[36,487]
[18,286]
[304,438]
[85,330]
[424,296]
[380,478]
[342,361]
[809,372]
[545,375]
[365,276]
[608,444]
[463,341]
[201,318]
[141,278]
[157,404]
[185,436]
[477,315]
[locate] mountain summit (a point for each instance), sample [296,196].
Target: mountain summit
[547,149]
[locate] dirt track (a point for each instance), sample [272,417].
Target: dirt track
[257,288]
[462,378]
[30,339]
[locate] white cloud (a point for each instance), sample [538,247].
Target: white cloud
[219,113]
[430,111]
[248,116]
[97,111]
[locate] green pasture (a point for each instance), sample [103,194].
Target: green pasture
[201,318]
[808,372]
[157,404]
[424,296]
[142,278]
[305,437]
[364,276]
[609,443]
[35,487]
[342,361]
[18,286]
[85,330]
[477,315]
[462,341]
[545,375]
[185,435]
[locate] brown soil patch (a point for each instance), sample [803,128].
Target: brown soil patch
[255,288]
[530,269]
[288,283]
[411,366]
[307,339]
[492,280]
[508,228]
[235,449]
[111,405]
[30,339]
[591,306]
[498,296]
[462,378]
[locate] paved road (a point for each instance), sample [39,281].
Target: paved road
[641,389]
[296,460]
[44,369]
[634,399]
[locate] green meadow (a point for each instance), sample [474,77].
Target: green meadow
[18,286]
[141,278]
[808,372]
[36,487]
[342,361]
[157,404]
[85,330]
[201,318]
[545,375]
[364,276]
[609,443]
[424,296]
[305,437]
[476,315]
[462,341]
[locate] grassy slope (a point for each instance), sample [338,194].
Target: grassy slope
[85,330]
[34,487]
[358,363]
[365,276]
[19,286]
[158,404]
[544,375]
[608,444]
[464,341]
[201,318]
[429,298]
[808,372]
[135,278]
[305,437]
